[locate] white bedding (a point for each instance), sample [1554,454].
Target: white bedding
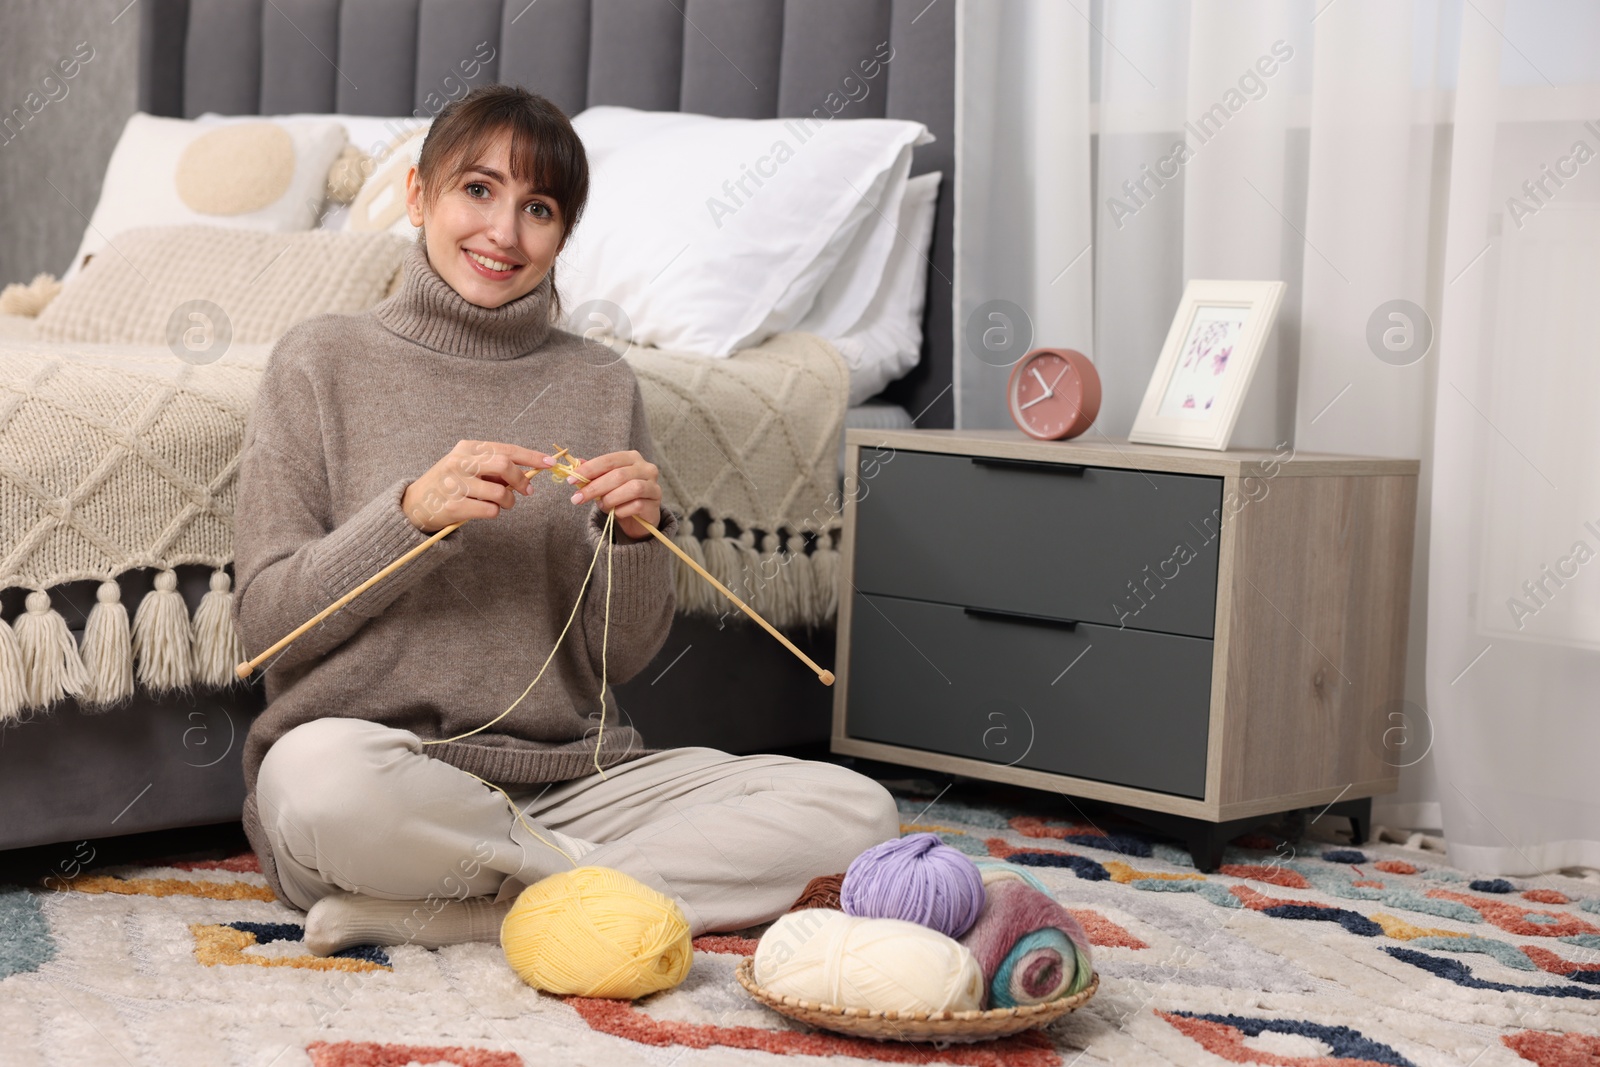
[866,291]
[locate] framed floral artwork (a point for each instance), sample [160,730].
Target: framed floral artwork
[1207,362]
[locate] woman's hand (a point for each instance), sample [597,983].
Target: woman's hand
[625,484]
[475,480]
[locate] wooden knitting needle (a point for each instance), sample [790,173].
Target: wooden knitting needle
[826,676]
[245,669]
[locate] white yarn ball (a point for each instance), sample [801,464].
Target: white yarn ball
[828,957]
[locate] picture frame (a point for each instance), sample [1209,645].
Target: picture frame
[1207,362]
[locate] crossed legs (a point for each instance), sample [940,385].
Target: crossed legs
[354,807]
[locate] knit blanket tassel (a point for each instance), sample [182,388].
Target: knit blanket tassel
[161,637]
[694,593]
[825,575]
[721,554]
[51,666]
[217,645]
[107,649]
[13,679]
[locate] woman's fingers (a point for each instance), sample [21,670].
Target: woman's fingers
[502,458]
[474,480]
[623,483]
[594,468]
[502,467]
[633,497]
[598,487]
[493,492]
[528,457]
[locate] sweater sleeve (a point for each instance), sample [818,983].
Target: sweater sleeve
[290,559]
[643,597]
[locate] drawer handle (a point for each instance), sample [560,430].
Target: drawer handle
[1031,465]
[1022,617]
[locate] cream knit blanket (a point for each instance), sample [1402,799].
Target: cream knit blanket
[117,457]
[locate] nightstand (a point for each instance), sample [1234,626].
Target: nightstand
[1209,638]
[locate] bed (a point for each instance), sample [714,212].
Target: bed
[170,758]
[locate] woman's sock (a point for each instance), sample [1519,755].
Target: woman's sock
[342,920]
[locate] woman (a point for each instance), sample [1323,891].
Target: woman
[370,432]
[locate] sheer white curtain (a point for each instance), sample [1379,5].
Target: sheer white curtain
[1364,152]
[1514,589]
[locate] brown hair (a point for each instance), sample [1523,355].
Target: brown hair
[545,151]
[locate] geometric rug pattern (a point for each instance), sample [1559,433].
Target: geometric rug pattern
[1293,953]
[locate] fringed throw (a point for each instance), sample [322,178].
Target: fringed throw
[118,460]
[747,445]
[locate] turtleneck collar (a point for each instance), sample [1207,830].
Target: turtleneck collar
[428,311]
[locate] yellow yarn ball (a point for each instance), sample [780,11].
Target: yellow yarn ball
[595,932]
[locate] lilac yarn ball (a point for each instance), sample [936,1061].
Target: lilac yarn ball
[917,878]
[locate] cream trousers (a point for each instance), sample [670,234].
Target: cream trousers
[353,805]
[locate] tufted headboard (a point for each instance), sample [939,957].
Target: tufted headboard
[735,58]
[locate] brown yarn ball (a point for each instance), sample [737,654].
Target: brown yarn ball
[821,892]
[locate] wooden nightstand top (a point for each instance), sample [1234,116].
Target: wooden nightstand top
[1097,450]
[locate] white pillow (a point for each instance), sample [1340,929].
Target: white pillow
[848,288]
[886,342]
[698,263]
[255,174]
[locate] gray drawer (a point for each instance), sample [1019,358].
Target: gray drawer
[1094,544]
[1121,706]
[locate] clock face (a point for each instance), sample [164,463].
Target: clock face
[1054,393]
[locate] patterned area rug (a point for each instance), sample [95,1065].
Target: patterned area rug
[1298,953]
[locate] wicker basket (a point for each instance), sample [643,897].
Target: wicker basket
[916,1026]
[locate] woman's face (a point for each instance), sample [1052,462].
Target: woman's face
[490,236]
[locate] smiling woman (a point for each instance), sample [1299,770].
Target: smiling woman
[496,191]
[367,775]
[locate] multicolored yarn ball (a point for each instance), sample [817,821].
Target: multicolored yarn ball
[1040,967]
[595,932]
[917,878]
[1030,948]
[828,957]
[997,870]
[821,892]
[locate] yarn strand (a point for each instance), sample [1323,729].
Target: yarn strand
[578,603]
[525,824]
[605,637]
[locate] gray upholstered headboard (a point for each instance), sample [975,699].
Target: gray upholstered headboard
[737,58]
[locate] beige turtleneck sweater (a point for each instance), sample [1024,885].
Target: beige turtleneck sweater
[353,408]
